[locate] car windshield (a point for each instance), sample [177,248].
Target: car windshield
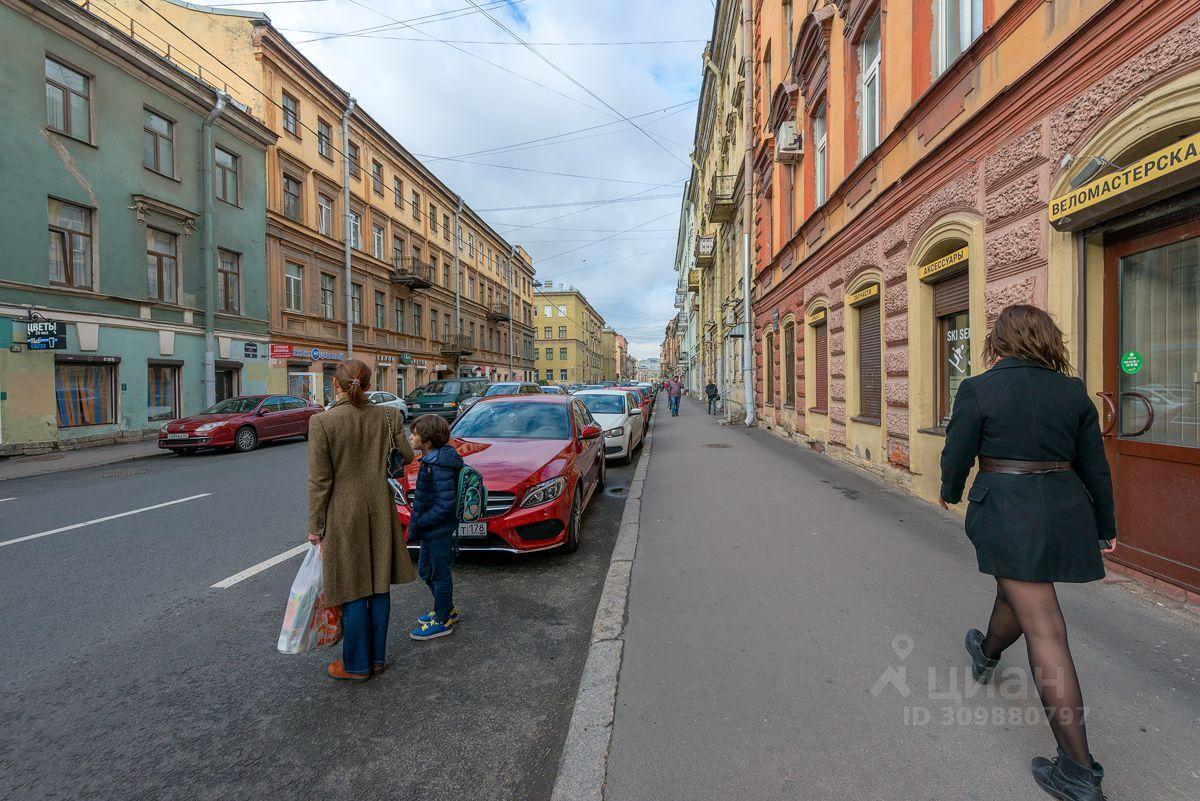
[436,390]
[500,389]
[553,390]
[514,420]
[603,404]
[233,406]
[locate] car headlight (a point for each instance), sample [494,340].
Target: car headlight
[207,427]
[619,431]
[163,428]
[545,492]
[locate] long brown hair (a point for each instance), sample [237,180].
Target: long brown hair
[354,378]
[1026,332]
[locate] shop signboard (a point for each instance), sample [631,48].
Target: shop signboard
[45,335]
[302,352]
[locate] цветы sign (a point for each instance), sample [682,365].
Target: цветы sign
[1163,162]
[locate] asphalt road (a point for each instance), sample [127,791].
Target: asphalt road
[127,676]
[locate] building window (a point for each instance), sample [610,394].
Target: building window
[789,364]
[377,241]
[70,244]
[291,114]
[356,303]
[869,103]
[870,362]
[433,324]
[397,191]
[399,315]
[562,332]
[328,290]
[417,319]
[546,333]
[162,267]
[68,101]
[397,250]
[769,367]
[471,244]
[324,139]
[162,393]
[356,230]
[549,354]
[380,310]
[293,282]
[352,157]
[432,219]
[951,302]
[766,71]
[158,143]
[821,155]
[957,23]
[446,227]
[416,205]
[821,368]
[377,177]
[325,215]
[84,394]
[562,353]
[226,175]
[291,198]
[562,375]
[229,282]
[445,271]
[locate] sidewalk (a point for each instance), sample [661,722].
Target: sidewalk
[795,632]
[26,466]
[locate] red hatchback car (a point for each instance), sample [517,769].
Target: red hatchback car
[542,460]
[239,423]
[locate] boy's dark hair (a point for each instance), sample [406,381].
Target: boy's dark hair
[432,429]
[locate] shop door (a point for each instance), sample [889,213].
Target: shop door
[1152,399]
[327,385]
[227,383]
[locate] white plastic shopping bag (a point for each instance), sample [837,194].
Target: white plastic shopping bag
[308,621]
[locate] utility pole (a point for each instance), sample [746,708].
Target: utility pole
[208,251]
[458,343]
[748,210]
[346,243]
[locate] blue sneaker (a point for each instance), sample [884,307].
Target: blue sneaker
[429,617]
[431,630]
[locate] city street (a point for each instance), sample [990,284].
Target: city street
[129,676]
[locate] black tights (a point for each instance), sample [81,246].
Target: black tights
[1031,608]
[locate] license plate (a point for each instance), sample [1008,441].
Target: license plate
[177,436]
[476,530]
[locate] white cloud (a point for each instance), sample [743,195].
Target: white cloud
[439,101]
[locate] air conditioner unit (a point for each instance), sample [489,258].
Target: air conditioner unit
[789,143]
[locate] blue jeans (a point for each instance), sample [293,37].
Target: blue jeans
[673,404]
[434,567]
[364,632]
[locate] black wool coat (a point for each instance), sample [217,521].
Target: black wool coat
[1040,527]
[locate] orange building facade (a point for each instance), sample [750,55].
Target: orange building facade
[919,165]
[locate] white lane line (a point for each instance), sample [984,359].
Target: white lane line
[225,584]
[2,500]
[103,519]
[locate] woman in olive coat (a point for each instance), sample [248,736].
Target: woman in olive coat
[1040,511]
[352,515]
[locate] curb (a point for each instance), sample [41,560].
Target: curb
[583,765]
[67,469]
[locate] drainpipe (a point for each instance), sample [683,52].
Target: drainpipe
[748,212]
[346,245]
[207,251]
[457,287]
[1081,313]
[512,251]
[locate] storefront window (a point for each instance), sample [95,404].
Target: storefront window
[162,393]
[84,394]
[954,360]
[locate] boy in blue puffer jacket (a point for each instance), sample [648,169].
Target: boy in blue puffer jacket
[433,521]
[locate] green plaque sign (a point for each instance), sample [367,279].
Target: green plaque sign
[1131,363]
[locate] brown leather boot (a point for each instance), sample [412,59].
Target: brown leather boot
[338,671]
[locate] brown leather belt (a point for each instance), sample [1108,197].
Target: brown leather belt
[1015,467]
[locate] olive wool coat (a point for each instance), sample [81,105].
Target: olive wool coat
[1034,527]
[350,502]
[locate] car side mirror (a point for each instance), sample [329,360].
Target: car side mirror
[590,431]
[636,410]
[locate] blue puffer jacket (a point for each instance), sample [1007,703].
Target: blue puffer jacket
[435,495]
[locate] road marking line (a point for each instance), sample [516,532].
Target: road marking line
[2,500]
[225,584]
[102,519]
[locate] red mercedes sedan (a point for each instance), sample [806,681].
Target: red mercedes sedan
[239,423]
[542,461]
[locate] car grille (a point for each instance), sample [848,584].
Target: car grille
[499,502]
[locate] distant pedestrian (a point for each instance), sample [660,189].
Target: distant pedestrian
[433,522]
[1040,510]
[352,515]
[674,390]
[710,390]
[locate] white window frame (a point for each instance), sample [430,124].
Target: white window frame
[377,241]
[355,232]
[821,155]
[324,215]
[293,293]
[869,82]
[970,26]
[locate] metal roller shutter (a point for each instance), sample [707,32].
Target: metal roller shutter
[870,361]
[822,367]
[952,294]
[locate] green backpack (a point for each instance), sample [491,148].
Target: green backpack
[471,503]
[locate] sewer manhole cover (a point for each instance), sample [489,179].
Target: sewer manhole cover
[124,473]
[715,445]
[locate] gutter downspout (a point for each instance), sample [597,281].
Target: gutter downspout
[457,288]
[748,212]
[1081,312]
[346,245]
[512,251]
[208,251]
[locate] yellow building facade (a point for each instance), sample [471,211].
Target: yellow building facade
[569,337]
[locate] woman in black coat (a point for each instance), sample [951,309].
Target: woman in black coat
[1040,510]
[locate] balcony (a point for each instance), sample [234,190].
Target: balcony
[498,313]
[457,345]
[693,280]
[722,204]
[706,250]
[412,273]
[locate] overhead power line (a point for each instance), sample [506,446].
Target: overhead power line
[604,239]
[547,172]
[330,34]
[584,203]
[425,19]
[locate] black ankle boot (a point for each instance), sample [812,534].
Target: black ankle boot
[981,667]
[1065,778]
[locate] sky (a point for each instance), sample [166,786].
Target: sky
[443,100]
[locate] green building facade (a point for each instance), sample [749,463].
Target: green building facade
[102,162]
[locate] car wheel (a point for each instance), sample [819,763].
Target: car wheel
[572,543]
[602,479]
[246,439]
[628,457]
